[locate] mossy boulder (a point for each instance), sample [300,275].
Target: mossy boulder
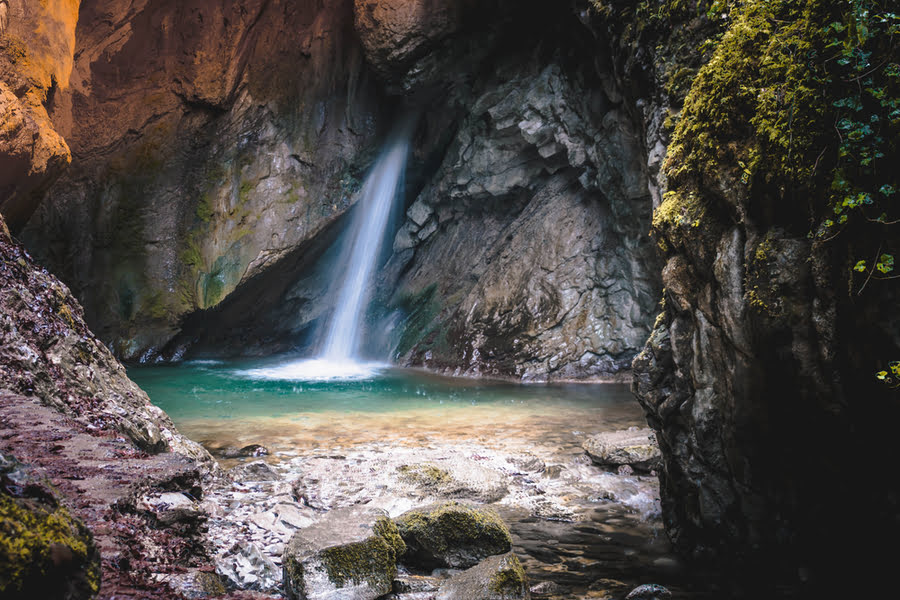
[495,578]
[452,535]
[45,552]
[350,554]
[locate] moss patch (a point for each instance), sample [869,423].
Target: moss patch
[427,475]
[510,580]
[372,561]
[453,535]
[44,550]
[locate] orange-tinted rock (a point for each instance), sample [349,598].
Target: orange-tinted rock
[37,42]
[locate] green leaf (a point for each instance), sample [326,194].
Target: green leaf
[860,266]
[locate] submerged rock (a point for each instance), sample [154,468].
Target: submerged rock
[456,479]
[452,535]
[350,554]
[635,448]
[250,451]
[495,578]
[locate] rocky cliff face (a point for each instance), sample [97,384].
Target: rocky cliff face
[759,376]
[216,148]
[208,141]
[37,41]
[48,353]
[528,196]
[524,256]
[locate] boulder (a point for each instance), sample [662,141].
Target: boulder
[452,535]
[456,479]
[495,578]
[649,591]
[395,34]
[246,567]
[633,447]
[45,552]
[350,554]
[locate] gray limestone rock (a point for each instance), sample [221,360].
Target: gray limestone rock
[635,448]
[496,578]
[350,554]
[255,471]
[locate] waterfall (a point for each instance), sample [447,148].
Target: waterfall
[339,359]
[367,235]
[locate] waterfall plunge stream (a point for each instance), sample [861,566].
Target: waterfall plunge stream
[376,199]
[340,356]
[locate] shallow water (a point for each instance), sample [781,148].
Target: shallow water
[238,403]
[346,441]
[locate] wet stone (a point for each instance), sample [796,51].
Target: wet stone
[495,578]
[350,554]
[452,535]
[649,591]
[254,472]
[635,448]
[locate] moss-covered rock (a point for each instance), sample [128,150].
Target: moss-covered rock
[452,535]
[495,578]
[45,552]
[352,553]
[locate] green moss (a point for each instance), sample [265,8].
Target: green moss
[373,561]
[30,532]
[244,191]
[425,474]
[155,305]
[205,209]
[764,249]
[387,529]
[292,197]
[510,580]
[66,313]
[433,535]
[421,309]
[679,210]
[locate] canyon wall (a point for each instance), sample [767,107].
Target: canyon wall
[216,148]
[208,140]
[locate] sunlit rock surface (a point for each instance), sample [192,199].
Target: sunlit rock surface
[37,43]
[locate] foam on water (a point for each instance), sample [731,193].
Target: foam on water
[317,369]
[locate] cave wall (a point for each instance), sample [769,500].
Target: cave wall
[525,256]
[214,157]
[527,199]
[208,141]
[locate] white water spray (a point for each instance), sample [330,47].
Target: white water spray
[340,355]
[373,210]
